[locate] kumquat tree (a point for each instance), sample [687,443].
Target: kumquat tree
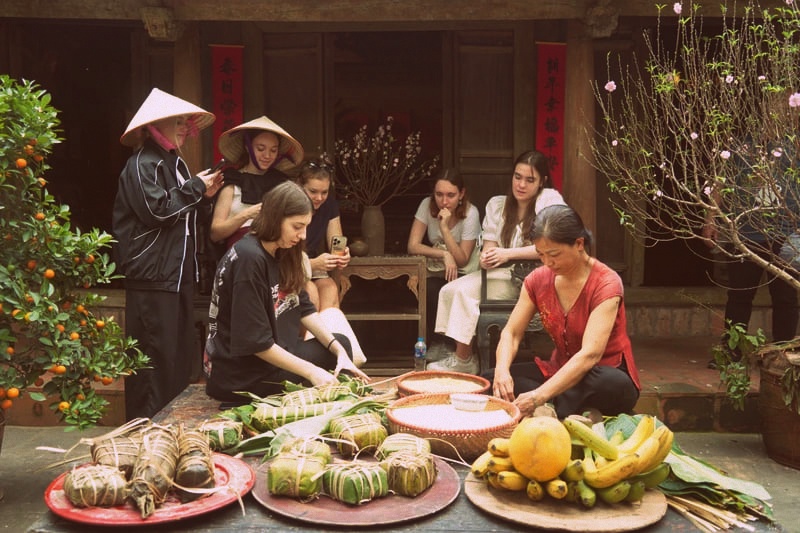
[51,340]
[705,129]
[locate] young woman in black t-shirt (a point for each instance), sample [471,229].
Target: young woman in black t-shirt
[258,304]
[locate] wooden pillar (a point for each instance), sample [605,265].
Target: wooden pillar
[580,183]
[188,84]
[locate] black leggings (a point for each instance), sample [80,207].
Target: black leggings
[744,278]
[610,390]
[272,383]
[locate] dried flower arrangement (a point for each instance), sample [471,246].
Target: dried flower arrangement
[372,169]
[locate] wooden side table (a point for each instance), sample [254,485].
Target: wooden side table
[388,267]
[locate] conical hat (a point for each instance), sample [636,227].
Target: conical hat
[159,105]
[231,143]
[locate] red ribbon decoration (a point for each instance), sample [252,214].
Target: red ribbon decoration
[551,76]
[226,89]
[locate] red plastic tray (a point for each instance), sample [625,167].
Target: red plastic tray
[234,477]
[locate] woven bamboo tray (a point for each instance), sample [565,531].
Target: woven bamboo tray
[413,383]
[467,443]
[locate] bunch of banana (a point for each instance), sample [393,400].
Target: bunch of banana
[496,468]
[611,470]
[638,465]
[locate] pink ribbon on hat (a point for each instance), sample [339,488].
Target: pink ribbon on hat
[191,131]
[159,137]
[191,126]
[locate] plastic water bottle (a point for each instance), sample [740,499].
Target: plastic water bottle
[419,354]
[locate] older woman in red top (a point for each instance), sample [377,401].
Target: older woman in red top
[580,301]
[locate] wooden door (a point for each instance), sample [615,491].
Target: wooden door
[483,111]
[293,94]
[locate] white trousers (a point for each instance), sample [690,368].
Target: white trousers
[459,302]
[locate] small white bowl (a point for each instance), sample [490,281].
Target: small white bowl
[469,402]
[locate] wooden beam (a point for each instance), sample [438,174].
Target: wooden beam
[338,11]
[380,10]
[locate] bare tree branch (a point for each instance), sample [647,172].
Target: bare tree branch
[700,138]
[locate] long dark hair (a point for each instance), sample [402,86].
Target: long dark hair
[561,224]
[453,177]
[283,201]
[538,162]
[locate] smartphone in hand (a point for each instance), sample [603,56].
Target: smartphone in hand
[338,244]
[218,166]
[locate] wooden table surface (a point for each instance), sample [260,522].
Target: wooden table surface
[193,406]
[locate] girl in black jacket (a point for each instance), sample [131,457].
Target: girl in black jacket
[155,225]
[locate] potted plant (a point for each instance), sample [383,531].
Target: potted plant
[373,168]
[779,392]
[779,401]
[53,345]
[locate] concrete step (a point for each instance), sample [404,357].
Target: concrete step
[679,388]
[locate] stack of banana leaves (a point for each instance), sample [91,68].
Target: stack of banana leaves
[700,491]
[299,413]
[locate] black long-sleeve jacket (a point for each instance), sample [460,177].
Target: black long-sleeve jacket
[155,219]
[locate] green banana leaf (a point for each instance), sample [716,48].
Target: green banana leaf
[691,470]
[624,423]
[357,387]
[713,495]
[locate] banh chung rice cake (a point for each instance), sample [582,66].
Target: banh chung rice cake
[441,384]
[448,418]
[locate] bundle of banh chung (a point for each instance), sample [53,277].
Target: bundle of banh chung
[354,433]
[142,467]
[95,486]
[195,468]
[355,482]
[408,462]
[296,474]
[222,433]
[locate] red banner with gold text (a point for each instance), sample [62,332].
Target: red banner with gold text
[226,89]
[550,83]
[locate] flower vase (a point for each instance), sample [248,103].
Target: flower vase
[373,229]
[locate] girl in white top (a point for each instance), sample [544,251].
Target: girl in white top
[506,238]
[452,226]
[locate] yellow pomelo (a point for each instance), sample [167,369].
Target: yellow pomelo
[540,448]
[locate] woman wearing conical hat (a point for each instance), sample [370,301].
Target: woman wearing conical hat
[259,151]
[155,224]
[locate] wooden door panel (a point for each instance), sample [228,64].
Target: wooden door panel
[293,86]
[484,111]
